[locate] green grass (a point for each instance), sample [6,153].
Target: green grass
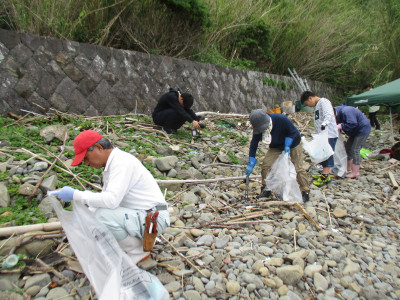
[233,157]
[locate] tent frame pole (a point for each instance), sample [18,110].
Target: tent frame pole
[391,123]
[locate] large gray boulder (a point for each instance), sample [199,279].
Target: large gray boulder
[166,163]
[54,131]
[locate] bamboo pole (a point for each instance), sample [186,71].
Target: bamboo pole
[7,231]
[176,181]
[222,115]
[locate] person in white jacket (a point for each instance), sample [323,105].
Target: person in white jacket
[129,192]
[324,119]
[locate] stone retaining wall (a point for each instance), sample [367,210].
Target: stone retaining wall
[39,72]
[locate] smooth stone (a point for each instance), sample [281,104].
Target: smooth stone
[173,286]
[40,280]
[233,287]
[283,290]
[351,268]
[339,212]
[33,290]
[197,232]
[290,274]
[320,283]
[275,261]
[192,295]
[310,270]
[59,292]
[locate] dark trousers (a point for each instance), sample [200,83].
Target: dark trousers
[168,119]
[374,120]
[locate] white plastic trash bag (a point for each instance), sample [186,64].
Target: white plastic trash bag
[318,149]
[281,179]
[109,269]
[340,158]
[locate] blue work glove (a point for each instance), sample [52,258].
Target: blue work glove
[288,143]
[250,166]
[66,193]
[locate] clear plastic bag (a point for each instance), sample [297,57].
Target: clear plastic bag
[340,158]
[318,149]
[281,179]
[108,268]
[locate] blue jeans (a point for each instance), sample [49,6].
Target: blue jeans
[329,162]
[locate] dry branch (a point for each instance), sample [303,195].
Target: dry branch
[176,181]
[393,180]
[187,260]
[76,177]
[144,128]
[298,205]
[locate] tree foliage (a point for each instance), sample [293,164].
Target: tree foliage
[347,42]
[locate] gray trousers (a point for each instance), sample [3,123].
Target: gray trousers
[124,221]
[353,147]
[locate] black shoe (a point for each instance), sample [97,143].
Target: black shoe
[305,196]
[264,194]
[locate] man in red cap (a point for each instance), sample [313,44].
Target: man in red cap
[129,192]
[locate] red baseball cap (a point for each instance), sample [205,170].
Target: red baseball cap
[82,143]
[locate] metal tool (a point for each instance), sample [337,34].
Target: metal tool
[246,191]
[153,223]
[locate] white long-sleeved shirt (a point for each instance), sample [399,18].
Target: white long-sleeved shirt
[127,183]
[324,114]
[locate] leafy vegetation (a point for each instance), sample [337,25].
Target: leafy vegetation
[346,42]
[233,157]
[272,82]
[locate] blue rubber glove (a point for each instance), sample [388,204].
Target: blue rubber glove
[250,166]
[66,193]
[288,143]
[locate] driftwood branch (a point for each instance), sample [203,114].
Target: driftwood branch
[7,231]
[329,210]
[307,215]
[176,181]
[393,180]
[298,205]
[184,257]
[54,271]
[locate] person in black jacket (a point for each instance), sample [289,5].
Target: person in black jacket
[173,110]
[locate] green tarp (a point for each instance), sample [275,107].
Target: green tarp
[384,95]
